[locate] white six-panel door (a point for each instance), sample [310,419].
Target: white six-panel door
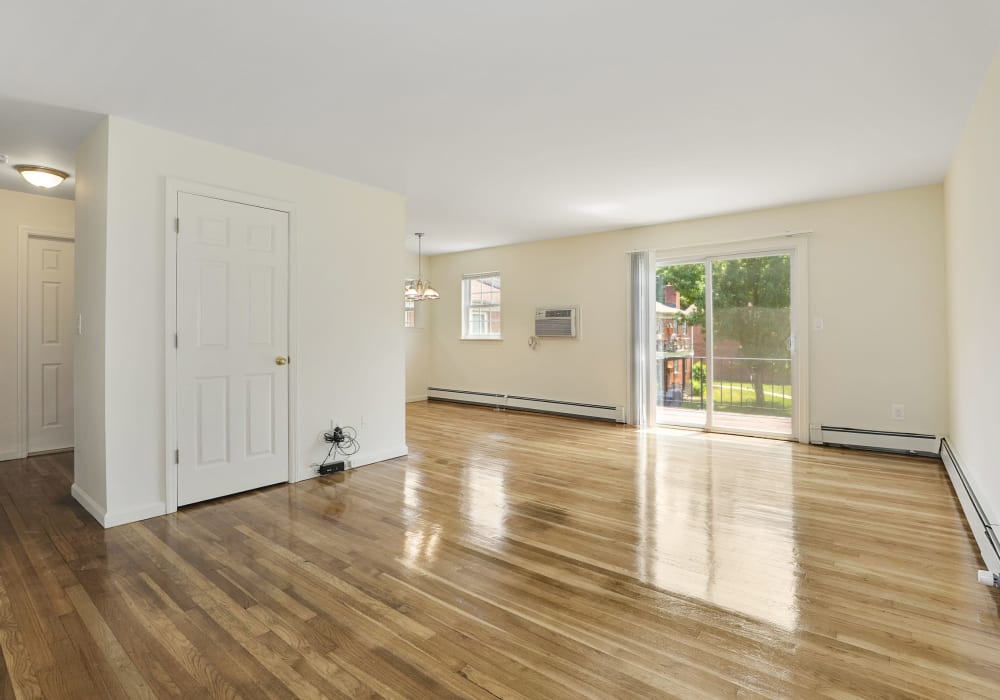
[50,321]
[232,326]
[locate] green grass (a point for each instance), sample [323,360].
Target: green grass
[727,397]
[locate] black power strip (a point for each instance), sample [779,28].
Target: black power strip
[331,468]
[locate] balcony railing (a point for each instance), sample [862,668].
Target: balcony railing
[740,384]
[674,344]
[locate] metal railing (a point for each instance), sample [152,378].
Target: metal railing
[754,385]
[675,343]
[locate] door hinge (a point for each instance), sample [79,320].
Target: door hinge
[177,456]
[177,224]
[176,341]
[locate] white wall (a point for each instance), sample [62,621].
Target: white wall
[418,347]
[875,276]
[16,210]
[973,254]
[348,264]
[89,357]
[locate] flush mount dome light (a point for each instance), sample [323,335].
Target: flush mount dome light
[40,176]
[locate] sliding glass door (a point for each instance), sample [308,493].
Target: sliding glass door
[724,344]
[681,345]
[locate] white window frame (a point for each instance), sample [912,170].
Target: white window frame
[467,307]
[409,305]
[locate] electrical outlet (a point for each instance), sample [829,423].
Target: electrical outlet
[817,324]
[898,413]
[334,423]
[362,421]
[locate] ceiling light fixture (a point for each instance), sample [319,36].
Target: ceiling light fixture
[418,289]
[40,176]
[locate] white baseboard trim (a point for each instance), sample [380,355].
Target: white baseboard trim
[88,503]
[414,399]
[985,526]
[614,414]
[880,440]
[10,454]
[150,510]
[361,459]
[53,451]
[123,517]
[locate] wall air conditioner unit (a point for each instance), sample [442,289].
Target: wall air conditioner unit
[560,322]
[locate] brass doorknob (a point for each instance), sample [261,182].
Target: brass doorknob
[281,360]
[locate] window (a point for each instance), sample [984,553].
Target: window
[409,309]
[481,306]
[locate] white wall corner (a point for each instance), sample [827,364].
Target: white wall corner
[115,518]
[122,517]
[89,504]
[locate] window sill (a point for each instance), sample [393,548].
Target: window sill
[481,337]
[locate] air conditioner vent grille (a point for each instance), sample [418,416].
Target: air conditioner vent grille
[558,322]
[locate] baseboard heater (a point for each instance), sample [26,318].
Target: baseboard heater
[877,440]
[983,529]
[614,414]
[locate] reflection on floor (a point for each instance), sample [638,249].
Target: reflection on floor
[511,555]
[725,420]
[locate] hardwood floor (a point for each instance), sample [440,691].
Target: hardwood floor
[516,556]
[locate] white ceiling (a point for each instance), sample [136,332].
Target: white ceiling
[526,119]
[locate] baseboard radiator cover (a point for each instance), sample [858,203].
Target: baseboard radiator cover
[876,440]
[613,414]
[982,526]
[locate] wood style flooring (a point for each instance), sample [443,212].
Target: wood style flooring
[513,556]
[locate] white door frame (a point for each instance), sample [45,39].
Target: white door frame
[797,245]
[174,187]
[23,234]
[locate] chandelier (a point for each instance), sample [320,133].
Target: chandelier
[419,289]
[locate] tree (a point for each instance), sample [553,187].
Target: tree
[689,280]
[751,298]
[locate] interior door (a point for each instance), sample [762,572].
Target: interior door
[232,346]
[50,319]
